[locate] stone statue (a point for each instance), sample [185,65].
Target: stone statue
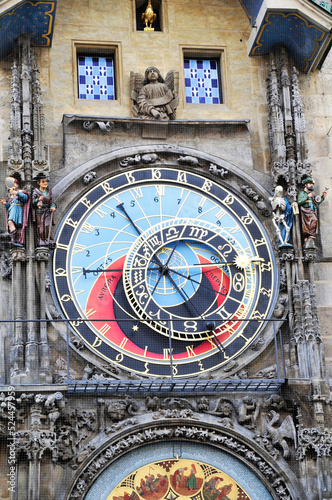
[153,97]
[308,203]
[278,431]
[282,216]
[248,412]
[43,210]
[17,210]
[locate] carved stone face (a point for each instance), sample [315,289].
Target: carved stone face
[152,75]
[226,409]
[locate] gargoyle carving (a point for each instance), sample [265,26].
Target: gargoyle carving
[218,171]
[189,160]
[278,435]
[152,404]
[89,177]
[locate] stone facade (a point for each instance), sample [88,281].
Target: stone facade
[82,422]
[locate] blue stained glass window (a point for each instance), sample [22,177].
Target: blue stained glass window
[96,77]
[202,81]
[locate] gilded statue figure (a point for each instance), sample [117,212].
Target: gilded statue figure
[153,97]
[148,17]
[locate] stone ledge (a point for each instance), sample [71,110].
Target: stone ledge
[152,129]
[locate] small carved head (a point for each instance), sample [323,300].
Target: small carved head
[152,74]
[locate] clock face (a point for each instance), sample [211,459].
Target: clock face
[164,272]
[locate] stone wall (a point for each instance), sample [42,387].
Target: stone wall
[220,25]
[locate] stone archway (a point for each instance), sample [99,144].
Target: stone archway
[244,460]
[180,155]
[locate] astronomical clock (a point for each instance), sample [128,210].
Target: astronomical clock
[164,272]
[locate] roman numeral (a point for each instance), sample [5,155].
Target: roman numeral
[70,222]
[123,342]
[104,329]
[190,351]
[100,212]
[87,228]
[138,192]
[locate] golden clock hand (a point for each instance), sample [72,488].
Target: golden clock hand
[122,208]
[252,260]
[221,264]
[241,261]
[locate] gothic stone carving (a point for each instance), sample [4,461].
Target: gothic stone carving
[105,126]
[314,439]
[121,409]
[75,428]
[89,177]
[278,432]
[218,171]
[137,159]
[191,161]
[35,442]
[254,196]
[184,431]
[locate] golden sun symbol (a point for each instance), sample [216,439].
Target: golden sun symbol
[242,261]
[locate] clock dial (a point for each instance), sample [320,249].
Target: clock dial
[160,270]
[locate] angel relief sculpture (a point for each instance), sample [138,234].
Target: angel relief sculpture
[153,97]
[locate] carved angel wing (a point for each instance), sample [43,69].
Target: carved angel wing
[172,81]
[287,429]
[136,83]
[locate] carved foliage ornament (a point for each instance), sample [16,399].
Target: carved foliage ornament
[74,429]
[35,442]
[320,441]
